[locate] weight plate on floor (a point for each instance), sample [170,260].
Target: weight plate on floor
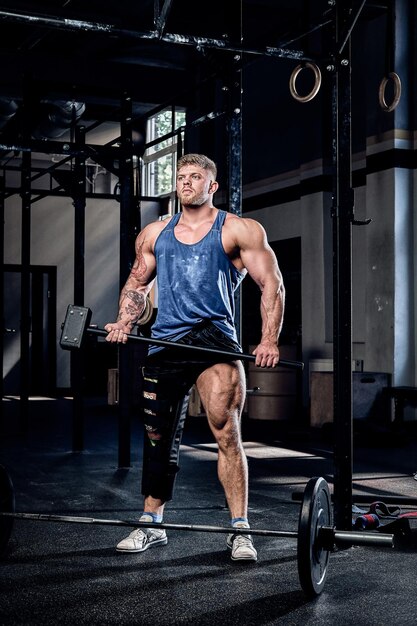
[312,557]
[7,505]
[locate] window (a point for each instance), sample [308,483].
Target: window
[159,160]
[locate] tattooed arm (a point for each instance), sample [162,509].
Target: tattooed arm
[133,295]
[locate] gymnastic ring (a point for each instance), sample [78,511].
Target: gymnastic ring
[397,92]
[317,82]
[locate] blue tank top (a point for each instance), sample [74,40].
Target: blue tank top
[196,282]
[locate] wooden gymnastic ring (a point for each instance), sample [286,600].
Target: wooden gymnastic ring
[397,92]
[317,82]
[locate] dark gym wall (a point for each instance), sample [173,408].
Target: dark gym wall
[280,133]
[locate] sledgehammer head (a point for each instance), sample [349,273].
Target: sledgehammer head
[74,327]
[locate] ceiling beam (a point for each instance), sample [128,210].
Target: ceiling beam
[173,38]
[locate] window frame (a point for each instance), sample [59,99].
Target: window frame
[151,155]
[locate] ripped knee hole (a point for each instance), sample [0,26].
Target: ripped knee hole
[153,433]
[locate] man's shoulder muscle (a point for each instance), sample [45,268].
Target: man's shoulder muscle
[148,235]
[243,230]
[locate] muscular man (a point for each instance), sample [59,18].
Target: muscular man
[198,257]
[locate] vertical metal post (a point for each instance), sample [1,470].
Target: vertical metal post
[77,357]
[25,297]
[342,213]
[126,256]
[234,160]
[2,189]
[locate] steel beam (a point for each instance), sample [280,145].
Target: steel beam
[234,161]
[173,38]
[64,148]
[25,285]
[3,330]
[161,16]
[128,232]
[77,367]
[343,216]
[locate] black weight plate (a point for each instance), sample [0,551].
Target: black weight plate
[7,505]
[312,558]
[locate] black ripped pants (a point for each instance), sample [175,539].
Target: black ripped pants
[168,376]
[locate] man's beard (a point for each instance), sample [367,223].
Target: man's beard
[192,200]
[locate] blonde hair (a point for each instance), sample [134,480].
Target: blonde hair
[198,159]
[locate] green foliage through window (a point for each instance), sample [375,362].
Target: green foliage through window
[160,159]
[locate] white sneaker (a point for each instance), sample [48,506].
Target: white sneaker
[241,546]
[141,539]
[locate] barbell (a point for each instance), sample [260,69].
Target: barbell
[316,536]
[76,325]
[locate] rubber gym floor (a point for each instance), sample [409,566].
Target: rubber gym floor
[71,574]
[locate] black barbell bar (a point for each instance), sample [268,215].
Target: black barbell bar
[316,537]
[76,325]
[339,536]
[325,535]
[214,351]
[70,519]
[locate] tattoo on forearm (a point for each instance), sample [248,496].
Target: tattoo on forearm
[134,306]
[138,300]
